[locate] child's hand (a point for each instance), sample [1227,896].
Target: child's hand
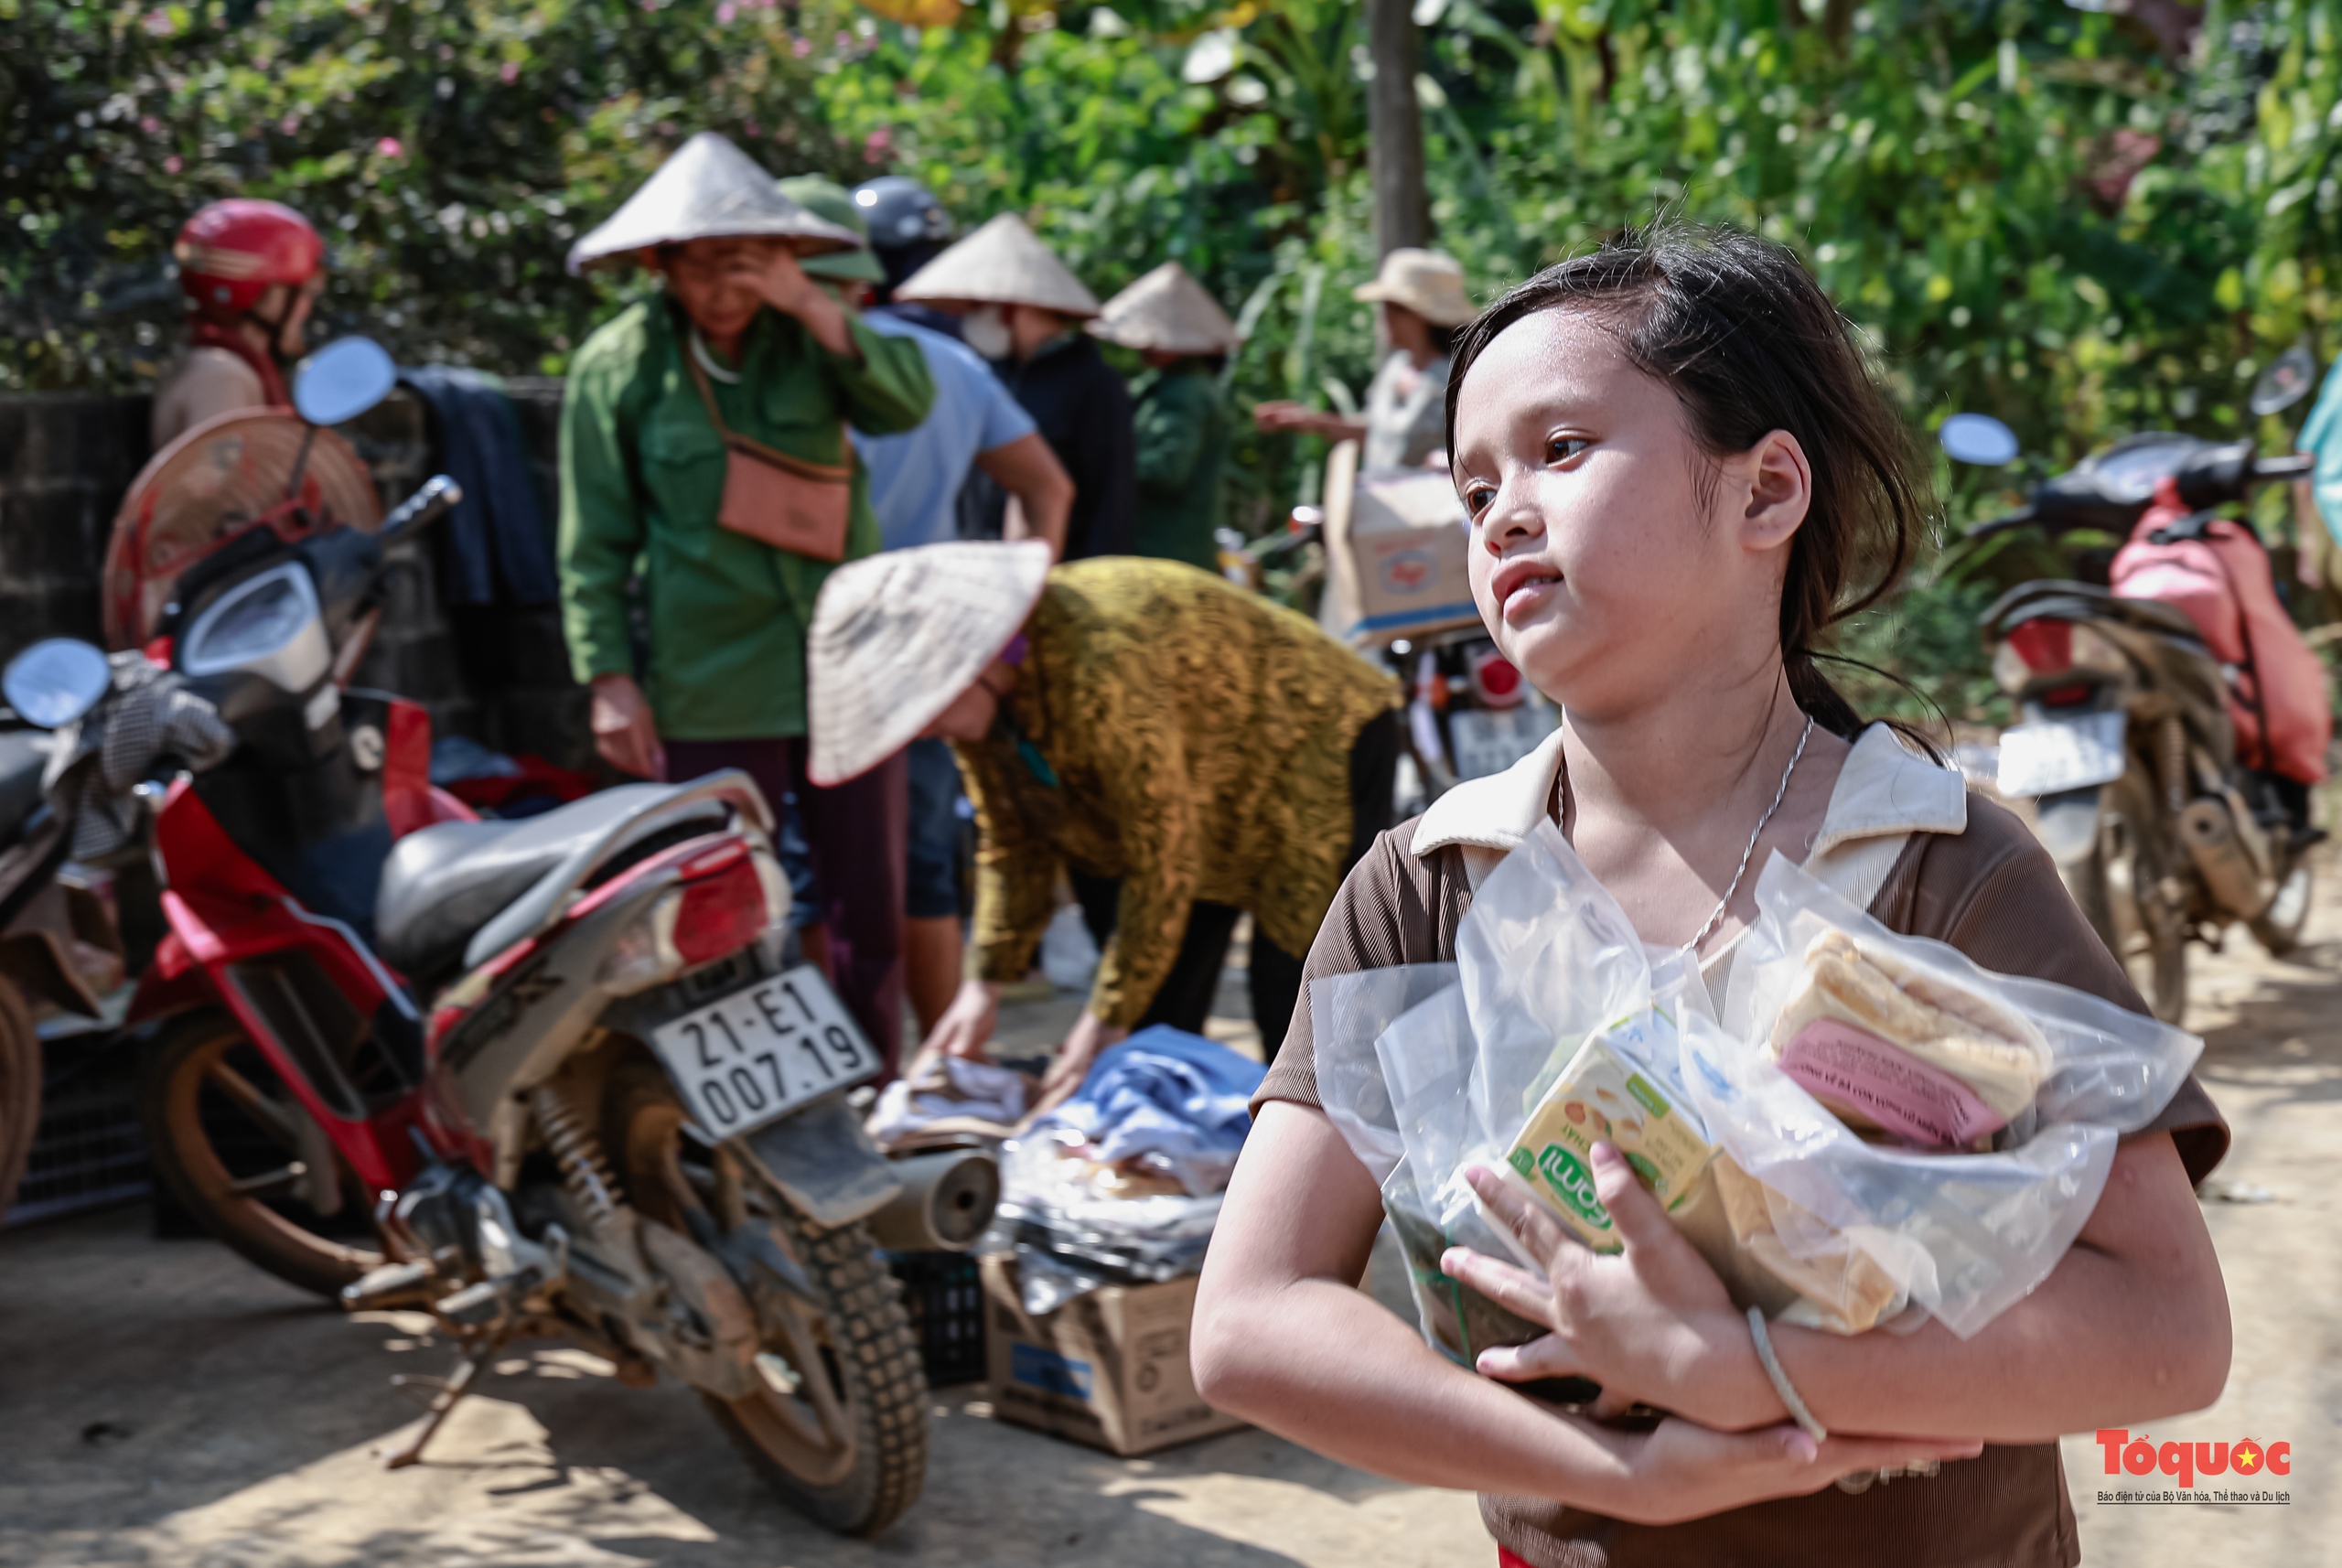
[1682,1470]
[1651,1324]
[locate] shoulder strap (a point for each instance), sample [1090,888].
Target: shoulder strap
[820,473]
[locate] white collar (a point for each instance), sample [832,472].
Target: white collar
[1883,790]
[707,358]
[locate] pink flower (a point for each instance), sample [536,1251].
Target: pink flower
[802,47]
[875,146]
[149,124]
[509,70]
[171,164]
[389,148]
[724,12]
[846,39]
[289,125]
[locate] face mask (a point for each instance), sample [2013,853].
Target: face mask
[983,331]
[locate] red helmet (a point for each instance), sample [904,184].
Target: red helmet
[233,252]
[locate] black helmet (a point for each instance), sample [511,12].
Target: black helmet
[900,211]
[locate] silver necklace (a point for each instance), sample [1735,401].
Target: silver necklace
[1693,947]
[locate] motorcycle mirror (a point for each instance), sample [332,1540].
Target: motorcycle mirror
[343,379]
[55,681]
[2286,382]
[1978,439]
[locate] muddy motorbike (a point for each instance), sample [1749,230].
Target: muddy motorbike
[564,1076]
[55,931]
[2126,739]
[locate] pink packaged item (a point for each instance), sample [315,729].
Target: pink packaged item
[1851,1069]
[2216,572]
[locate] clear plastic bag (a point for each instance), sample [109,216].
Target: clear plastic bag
[1964,1236]
[1801,1217]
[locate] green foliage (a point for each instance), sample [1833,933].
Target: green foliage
[2032,210]
[449,151]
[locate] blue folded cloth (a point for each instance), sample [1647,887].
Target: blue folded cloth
[1163,1091]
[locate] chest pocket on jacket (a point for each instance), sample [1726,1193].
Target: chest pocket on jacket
[683,467]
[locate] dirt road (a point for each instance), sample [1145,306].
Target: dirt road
[165,1404]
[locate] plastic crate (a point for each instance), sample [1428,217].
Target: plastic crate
[89,1153]
[944,1296]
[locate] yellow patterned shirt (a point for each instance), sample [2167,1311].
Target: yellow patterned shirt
[1200,740]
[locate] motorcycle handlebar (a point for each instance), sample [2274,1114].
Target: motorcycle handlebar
[2017,519]
[2297,467]
[437,497]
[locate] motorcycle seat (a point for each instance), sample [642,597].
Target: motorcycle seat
[23,754]
[443,882]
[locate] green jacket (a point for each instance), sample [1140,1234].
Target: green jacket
[641,479]
[1183,435]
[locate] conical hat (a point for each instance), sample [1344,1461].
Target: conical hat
[1169,312]
[709,190]
[897,637]
[1001,263]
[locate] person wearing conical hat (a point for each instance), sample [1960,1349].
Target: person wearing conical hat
[1422,300]
[1180,420]
[704,436]
[1186,751]
[1020,309]
[915,481]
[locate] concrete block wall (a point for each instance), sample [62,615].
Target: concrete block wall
[499,673]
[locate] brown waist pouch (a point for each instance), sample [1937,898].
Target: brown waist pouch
[777,499]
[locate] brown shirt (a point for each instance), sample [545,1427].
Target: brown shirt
[1990,891]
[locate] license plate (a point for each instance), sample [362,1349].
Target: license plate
[2050,755]
[762,1051]
[1490,740]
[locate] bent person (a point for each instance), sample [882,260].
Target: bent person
[1189,750]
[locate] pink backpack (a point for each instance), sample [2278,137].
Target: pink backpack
[2216,571]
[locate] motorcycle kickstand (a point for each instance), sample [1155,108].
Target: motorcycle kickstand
[451,1393]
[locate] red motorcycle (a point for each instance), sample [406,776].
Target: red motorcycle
[559,1076]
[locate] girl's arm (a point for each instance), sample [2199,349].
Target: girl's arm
[1283,1339]
[2132,1325]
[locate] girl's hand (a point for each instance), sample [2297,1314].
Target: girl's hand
[1682,1470]
[1651,1323]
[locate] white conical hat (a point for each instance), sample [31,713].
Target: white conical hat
[1169,312]
[1004,263]
[897,636]
[708,190]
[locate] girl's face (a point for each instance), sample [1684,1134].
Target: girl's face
[1611,557]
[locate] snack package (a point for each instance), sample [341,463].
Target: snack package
[1601,1094]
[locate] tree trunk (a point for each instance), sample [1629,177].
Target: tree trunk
[1395,128]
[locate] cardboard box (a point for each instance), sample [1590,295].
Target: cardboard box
[1396,548]
[1109,1369]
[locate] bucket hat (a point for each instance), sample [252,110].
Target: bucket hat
[897,637]
[1168,312]
[1428,282]
[1004,263]
[708,190]
[833,203]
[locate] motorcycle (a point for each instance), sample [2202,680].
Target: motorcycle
[564,1076]
[2127,738]
[59,943]
[1469,711]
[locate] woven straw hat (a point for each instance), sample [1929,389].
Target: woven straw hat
[1001,263]
[897,636]
[1428,282]
[1168,312]
[833,203]
[709,190]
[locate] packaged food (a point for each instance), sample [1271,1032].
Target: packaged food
[1893,1049]
[1602,1094]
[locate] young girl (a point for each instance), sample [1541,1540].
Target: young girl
[1678,472]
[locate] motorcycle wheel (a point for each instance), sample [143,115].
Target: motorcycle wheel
[19,1091]
[2278,929]
[851,1453]
[232,1145]
[2109,886]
